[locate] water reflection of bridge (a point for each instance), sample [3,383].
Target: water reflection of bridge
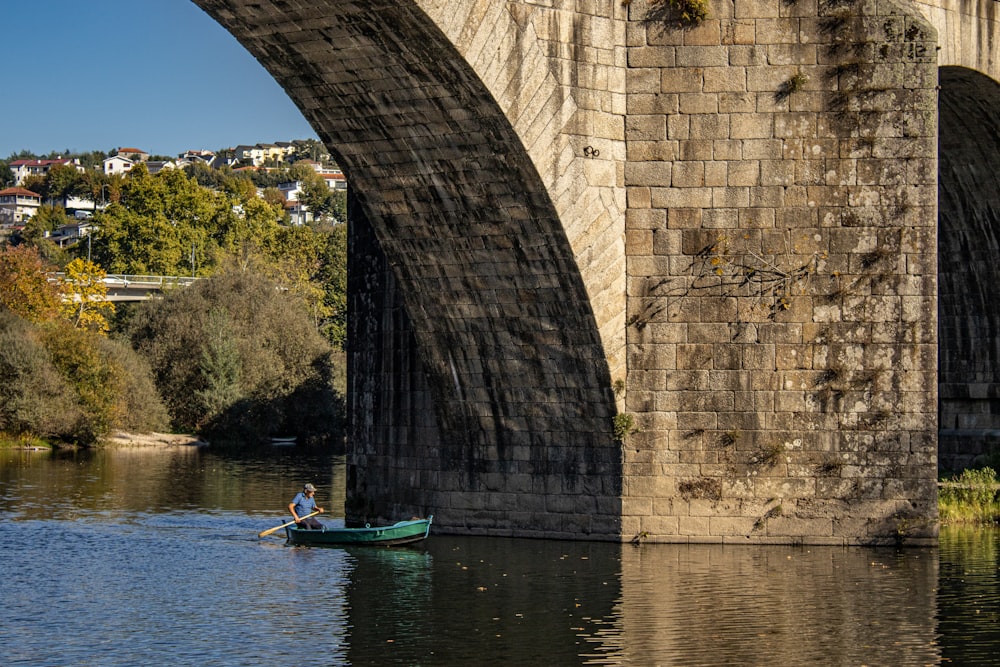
[123,287]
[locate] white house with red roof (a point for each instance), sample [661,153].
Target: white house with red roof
[17,205]
[24,168]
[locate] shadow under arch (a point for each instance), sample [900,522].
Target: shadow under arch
[478,386]
[968,267]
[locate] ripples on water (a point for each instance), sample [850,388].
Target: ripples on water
[135,558]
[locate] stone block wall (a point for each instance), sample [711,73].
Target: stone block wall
[734,218]
[781,182]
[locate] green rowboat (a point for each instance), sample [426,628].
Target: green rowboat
[403,532]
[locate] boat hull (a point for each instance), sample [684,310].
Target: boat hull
[403,532]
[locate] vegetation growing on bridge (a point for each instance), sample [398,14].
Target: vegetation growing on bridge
[682,12]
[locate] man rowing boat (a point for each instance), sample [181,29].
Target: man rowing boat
[302,504]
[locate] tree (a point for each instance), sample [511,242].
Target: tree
[35,183]
[61,181]
[85,303]
[45,221]
[93,185]
[76,356]
[25,285]
[231,353]
[311,149]
[319,198]
[333,276]
[219,365]
[60,382]
[34,397]
[274,196]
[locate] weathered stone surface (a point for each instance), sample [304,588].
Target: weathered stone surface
[733,223]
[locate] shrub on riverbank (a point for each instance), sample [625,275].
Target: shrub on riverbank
[66,384]
[235,356]
[971,497]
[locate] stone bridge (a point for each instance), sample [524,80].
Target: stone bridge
[614,276]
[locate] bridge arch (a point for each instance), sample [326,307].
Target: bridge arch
[468,234]
[968,33]
[968,245]
[776,261]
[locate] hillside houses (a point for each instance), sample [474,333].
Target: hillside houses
[25,168]
[125,159]
[19,203]
[260,155]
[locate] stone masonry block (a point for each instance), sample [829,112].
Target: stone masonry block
[709,126]
[776,31]
[751,126]
[702,56]
[737,102]
[681,80]
[725,80]
[648,173]
[698,103]
[745,172]
[756,9]
[670,198]
[696,149]
[688,174]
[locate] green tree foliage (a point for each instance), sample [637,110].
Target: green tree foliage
[34,396]
[333,276]
[325,204]
[72,385]
[194,337]
[58,380]
[219,366]
[139,406]
[162,220]
[35,183]
[98,371]
[311,149]
[93,185]
[45,221]
[76,355]
[6,175]
[61,181]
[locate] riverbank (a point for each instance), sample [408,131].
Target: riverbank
[117,439]
[123,439]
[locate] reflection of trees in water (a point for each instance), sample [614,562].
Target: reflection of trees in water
[156,479]
[969,597]
[714,604]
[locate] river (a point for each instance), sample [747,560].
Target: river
[142,556]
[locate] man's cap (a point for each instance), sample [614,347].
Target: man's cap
[309,487]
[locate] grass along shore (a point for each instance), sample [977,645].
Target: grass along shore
[970,497]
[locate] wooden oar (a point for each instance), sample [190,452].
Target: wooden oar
[277,528]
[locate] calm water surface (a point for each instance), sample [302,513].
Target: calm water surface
[150,557]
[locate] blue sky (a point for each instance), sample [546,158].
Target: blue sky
[158,75]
